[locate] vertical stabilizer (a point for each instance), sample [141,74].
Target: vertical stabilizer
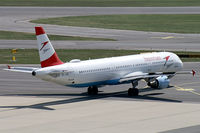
[48,56]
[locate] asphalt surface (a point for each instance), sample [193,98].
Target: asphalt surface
[31,105]
[21,83]
[192,129]
[17,19]
[167,45]
[24,97]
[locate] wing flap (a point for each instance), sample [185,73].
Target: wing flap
[141,75]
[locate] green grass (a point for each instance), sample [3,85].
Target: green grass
[190,59]
[158,23]
[100,3]
[8,35]
[30,56]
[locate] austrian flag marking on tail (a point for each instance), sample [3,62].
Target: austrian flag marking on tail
[48,56]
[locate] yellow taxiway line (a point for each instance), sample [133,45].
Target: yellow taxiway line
[167,37]
[178,88]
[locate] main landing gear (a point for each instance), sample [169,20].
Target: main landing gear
[92,90]
[133,91]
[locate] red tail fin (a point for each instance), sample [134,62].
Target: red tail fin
[48,56]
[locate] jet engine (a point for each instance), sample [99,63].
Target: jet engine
[160,82]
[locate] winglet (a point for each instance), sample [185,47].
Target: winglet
[9,67]
[193,72]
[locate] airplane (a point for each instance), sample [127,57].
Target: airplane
[156,68]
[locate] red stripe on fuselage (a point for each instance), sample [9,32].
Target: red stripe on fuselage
[52,61]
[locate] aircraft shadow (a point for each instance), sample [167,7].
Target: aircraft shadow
[85,97]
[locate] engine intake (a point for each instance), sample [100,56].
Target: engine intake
[160,82]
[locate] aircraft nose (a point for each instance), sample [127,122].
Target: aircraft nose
[181,64]
[178,62]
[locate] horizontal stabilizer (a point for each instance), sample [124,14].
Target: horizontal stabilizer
[21,69]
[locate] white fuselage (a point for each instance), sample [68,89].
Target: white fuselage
[108,71]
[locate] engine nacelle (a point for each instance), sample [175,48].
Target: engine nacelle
[160,82]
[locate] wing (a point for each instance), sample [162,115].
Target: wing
[21,69]
[140,75]
[187,72]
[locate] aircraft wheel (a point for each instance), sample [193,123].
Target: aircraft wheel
[92,90]
[133,92]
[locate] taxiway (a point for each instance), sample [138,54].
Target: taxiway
[31,105]
[166,45]
[54,108]
[17,19]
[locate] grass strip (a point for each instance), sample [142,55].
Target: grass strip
[100,3]
[9,35]
[181,23]
[30,56]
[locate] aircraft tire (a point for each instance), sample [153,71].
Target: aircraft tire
[92,90]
